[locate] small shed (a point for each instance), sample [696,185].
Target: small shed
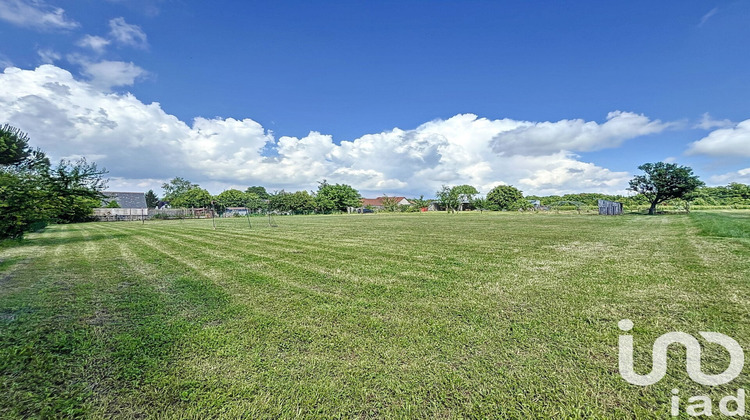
[610,208]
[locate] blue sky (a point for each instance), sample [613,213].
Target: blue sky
[392,97]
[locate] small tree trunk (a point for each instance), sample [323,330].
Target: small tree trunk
[652,209]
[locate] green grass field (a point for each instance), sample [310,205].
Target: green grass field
[368,316]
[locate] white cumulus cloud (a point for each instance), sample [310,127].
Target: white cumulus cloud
[141,143]
[707,122]
[107,74]
[733,141]
[95,43]
[539,138]
[35,14]
[126,34]
[742,176]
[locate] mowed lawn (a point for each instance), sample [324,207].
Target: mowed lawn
[497,315]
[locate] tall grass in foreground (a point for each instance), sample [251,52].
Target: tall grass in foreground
[497,315]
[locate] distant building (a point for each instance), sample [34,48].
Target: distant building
[235,211]
[132,206]
[126,200]
[377,203]
[464,203]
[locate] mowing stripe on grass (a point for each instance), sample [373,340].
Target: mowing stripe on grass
[499,316]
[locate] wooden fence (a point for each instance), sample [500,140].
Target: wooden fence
[117,215]
[130,214]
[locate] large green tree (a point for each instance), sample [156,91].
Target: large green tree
[195,197]
[448,197]
[504,197]
[175,187]
[465,194]
[254,202]
[259,191]
[14,146]
[302,202]
[336,197]
[279,201]
[664,181]
[151,199]
[24,206]
[33,193]
[296,202]
[232,198]
[75,188]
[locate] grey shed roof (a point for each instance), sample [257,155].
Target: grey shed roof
[126,199]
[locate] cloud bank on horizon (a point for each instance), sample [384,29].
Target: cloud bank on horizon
[136,141]
[142,145]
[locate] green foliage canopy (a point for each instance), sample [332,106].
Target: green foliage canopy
[254,202]
[176,187]
[151,199]
[33,193]
[664,181]
[14,145]
[390,204]
[259,191]
[420,202]
[195,197]
[296,202]
[75,189]
[481,204]
[465,192]
[232,198]
[448,198]
[504,197]
[24,206]
[336,197]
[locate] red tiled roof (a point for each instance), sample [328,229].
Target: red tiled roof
[379,201]
[371,202]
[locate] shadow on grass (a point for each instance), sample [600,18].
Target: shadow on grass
[658,213]
[56,240]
